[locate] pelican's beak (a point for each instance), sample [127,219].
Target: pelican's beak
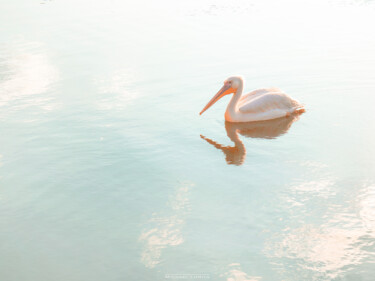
[225,90]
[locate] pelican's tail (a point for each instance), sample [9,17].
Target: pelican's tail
[297,107]
[299,110]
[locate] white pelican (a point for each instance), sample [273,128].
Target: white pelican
[258,105]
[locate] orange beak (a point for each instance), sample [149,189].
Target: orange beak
[225,90]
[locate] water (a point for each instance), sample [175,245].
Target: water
[105,176]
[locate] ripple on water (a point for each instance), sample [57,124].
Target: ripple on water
[335,247]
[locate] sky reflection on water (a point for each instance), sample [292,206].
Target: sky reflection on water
[104,175]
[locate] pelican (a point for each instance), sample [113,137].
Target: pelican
[269,129]
[258,105]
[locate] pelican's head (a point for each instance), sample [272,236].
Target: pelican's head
[231,84]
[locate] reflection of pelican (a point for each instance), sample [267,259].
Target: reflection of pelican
[261,129]
[261,104]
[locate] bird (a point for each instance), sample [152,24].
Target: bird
[269,129]
[258,105]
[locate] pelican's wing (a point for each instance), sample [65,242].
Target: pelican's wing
[267,101]
[256,93]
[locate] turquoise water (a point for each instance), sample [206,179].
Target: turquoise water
[107,172]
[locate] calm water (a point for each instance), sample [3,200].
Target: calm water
[107,172]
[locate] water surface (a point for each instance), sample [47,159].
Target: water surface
[104,174]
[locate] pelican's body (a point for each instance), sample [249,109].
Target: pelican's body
[258,105]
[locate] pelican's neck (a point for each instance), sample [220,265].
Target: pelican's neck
[232,107]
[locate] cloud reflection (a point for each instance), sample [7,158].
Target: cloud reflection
[235,273]
[332,249]
[115,90]
[165,230]
[269,129]
[26,75]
